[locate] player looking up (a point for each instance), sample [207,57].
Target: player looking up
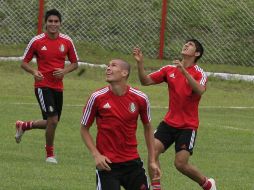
[186,83]
[116,109]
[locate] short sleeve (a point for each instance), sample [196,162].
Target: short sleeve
[145,111]
[201,77]
[89,111]
[29,51]
[72,54]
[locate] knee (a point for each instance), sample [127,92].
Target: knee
[180,165]
[158,149]
[53,121]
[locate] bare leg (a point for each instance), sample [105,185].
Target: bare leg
[182,165]
[39,124]
[50,130]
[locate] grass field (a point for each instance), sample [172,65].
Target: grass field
[224,147]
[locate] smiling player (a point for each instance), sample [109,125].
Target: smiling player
[50,49]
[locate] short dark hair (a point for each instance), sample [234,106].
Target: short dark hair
[53,12]
[199,48]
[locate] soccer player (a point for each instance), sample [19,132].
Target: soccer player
[186,84]
[50,49]
[116,109]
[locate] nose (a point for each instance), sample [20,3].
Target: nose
[108,67]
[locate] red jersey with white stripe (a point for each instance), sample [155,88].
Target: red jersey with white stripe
[116,119]
[183,102]
[50,54]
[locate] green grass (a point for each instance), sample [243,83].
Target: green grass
[224,147]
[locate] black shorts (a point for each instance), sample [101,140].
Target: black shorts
[130,175]
[184,139]
[50,101]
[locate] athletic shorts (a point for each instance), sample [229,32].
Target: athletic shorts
[184,139]
[130,175]
[50,101]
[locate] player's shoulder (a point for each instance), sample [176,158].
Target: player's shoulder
[168,67]
[65,36]
[198,69]
[100,92]
[137,92]
[37,38]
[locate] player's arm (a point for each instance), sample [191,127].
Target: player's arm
[196,86]
[59,72]
[149,138]
[27,57]
[28,68]
[89,114]
[101,161]
[143,77]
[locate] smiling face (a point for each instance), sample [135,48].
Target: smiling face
[53,25]
[117,71]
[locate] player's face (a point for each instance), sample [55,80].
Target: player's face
[53,24]
[114,71]
[189,49]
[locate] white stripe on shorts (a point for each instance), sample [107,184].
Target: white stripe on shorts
[41,99]
[99,181]
[192,139]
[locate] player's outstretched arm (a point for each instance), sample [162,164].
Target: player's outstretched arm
[143,77]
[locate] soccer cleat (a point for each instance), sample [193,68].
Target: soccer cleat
[213,187]
[19,131]
[51,159]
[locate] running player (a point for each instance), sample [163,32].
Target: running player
[50,49]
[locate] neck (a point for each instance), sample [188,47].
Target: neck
[53,35]
[118,89]
[187,62]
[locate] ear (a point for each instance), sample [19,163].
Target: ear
[125,73]
[197,54]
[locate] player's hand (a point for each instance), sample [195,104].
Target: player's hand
[58,73]
[137,53]
[156,172]
[102,162]
[178,64]
[38,76]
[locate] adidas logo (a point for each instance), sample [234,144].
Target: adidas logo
[107,106]
[172,75]
[44,48]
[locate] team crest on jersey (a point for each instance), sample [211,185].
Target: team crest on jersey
[132,107]
[62,48]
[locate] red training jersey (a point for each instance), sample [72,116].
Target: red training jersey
[116,119]
[183,102]
[50,54]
